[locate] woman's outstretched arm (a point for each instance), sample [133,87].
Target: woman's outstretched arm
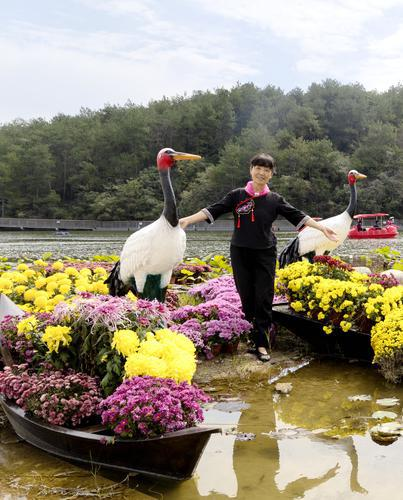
[327,231]
[192,219]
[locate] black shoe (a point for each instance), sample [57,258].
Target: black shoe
[262,356]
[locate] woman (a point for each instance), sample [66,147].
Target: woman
[253,244]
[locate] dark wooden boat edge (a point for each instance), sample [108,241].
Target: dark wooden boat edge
[351,345]
[143,456]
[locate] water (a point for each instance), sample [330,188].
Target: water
[85,244]
[312,444]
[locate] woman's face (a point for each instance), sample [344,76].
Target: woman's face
[260,174]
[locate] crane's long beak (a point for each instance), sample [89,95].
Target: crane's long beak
[360,176]
[184,156]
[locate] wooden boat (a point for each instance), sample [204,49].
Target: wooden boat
[344,345]
[373,226]
[172,456]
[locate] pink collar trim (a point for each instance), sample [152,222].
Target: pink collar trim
[251,192]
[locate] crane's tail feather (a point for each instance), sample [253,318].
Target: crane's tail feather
[290,253]
[116,285]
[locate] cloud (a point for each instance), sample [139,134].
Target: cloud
[144,8]
[388,46]
[329,37]
[144,49]
[47,70]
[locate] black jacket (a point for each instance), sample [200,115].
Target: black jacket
[254,216]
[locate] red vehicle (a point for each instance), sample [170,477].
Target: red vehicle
[373,226]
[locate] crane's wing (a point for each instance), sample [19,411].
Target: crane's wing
[136,253]
[312,240]
[156,249]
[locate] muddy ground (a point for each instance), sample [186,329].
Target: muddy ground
[287,353]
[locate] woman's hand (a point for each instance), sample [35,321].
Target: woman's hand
[329,233]
[183,223]
[192,219]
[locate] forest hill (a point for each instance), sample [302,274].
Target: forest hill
[101,164]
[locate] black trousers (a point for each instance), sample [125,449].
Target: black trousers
[254,273]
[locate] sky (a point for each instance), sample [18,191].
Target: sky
[58,56]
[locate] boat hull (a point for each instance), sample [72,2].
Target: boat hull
[173,456]
[371,233]
[342,345]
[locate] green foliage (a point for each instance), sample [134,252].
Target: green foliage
[194,270]
[105,258]
[220,265]
[391,258]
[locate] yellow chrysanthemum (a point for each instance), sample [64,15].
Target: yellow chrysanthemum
[17,277]
[5,284]
[56,300]
[20,289]
[27,325]
[30,295]
[40,263]
[99,287]
[71,271]
[387,336]
[181,341]
[126,342]
[40,282]
[30,273]
[51,287]
[297,306]
[140,364]
[64,289]
[163,354]
[101,271]
[56,335]
[41,300]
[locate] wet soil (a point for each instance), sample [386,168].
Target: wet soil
[287,352]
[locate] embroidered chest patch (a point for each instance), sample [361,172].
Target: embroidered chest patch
[245,207]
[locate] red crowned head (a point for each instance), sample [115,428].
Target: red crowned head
[167,157]
[353,176]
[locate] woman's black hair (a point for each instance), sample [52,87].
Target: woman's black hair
[263,160]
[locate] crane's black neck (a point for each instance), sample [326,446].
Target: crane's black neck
[352,206]
[170,212]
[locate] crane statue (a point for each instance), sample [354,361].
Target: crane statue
[150,254]
[310,242]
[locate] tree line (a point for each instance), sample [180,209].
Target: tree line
[101,164]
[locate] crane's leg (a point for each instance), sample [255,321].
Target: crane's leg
[152,288]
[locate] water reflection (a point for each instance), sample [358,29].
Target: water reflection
[312,443]
[215,472]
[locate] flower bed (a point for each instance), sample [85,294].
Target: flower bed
[331,292]
[74,335]
[216,320]
[40,286]
[60,398]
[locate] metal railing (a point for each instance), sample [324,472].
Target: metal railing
[14,223]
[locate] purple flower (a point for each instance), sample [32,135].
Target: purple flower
[60,398]
[218,319]
[149,406]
